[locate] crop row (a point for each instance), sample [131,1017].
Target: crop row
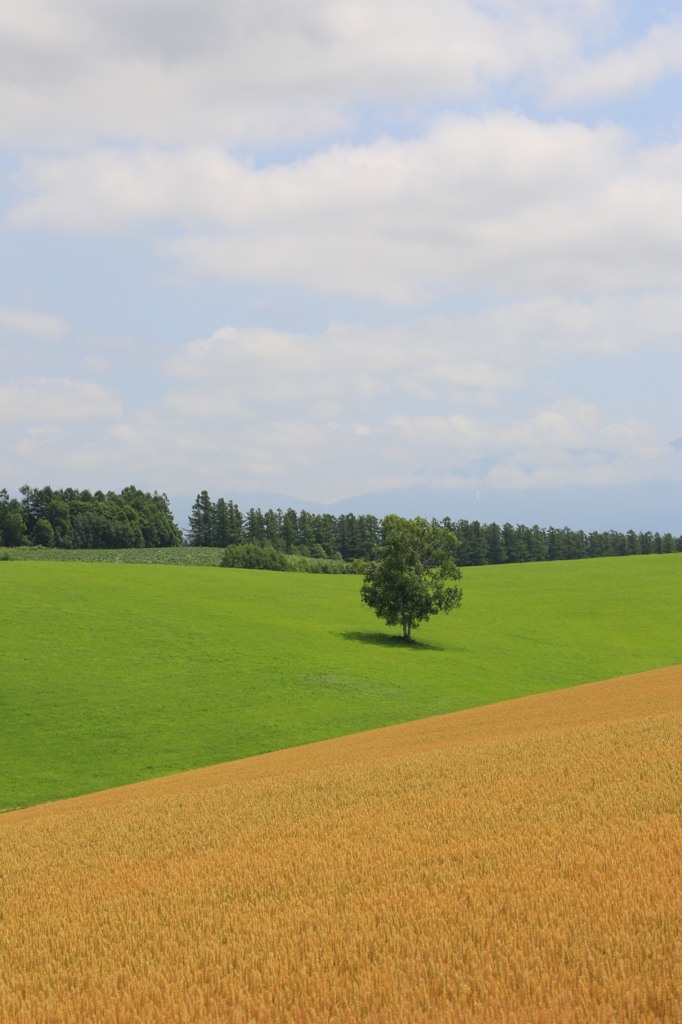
[138,556]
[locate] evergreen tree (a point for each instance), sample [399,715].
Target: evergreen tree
[220,529]
[306,533]
[556,544]
[325,534]
[201,517]
[497,552]
[273,528]
[235,524]
[633,547]
[289,531]
[473,549]
[254,526]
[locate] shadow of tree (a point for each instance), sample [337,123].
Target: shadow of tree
[385,640]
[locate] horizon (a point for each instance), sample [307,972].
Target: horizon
[659,512]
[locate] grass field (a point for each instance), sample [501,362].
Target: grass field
[114,673]
[513,864]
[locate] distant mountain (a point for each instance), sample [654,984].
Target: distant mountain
[652,505]
[677,445]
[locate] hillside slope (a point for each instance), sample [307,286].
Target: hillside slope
[517,862]
[118,673]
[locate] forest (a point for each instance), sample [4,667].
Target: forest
[73,519]
[348,537]
[70,518]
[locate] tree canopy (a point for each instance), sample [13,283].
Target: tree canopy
[70,518]
[414,573]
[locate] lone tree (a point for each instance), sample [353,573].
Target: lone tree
[413,575]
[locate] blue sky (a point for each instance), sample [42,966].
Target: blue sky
[335,248]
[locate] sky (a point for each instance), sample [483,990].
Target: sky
[418,254]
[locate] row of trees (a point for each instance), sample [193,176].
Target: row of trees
[490,544]
[222,524]
[70,518]
[78,519]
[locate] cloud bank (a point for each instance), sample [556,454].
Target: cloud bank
[480,240]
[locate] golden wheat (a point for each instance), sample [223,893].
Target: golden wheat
[516,863]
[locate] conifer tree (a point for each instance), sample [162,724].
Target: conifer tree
[235,523]
[201,517]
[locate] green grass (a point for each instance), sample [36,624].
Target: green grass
[112,673]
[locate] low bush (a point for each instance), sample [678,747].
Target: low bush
[255,556]
[332,566]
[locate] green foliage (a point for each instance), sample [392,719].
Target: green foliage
[265,556]
[327,566]
[79,519]
[44,533]
[201,526]
[413,572]
[346,537]
[228,523]
[352,538]
[13,527]
[255,556]
[174,556]
[113,673]
[492,545]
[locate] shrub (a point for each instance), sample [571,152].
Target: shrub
[44,533]
[13,530]
[255,556]
[331,566]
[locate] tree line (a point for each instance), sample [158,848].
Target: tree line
[349,537]
[222,524]
[490,544]
[70,518]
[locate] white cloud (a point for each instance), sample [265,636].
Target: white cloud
[276,410]
[197,437]
[55,399]
[622,70]
[254,69]
[260,70]
[504,202]
[554,324]
[559,444]
[569,238]
[456,433]
[568,443]
[27,322]
[237,371]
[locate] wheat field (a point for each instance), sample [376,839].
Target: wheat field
[520,862]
